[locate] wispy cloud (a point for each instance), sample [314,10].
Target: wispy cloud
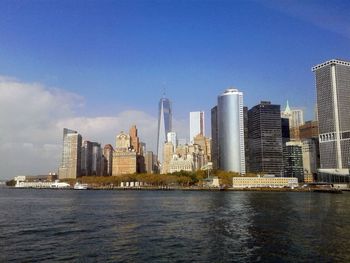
[329,15]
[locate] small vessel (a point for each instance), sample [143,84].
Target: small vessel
[60,185]
[79,186]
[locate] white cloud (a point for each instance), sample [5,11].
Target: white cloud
[32,118]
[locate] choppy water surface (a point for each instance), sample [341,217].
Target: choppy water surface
[173,226]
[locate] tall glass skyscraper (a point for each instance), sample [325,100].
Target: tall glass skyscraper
[333,104]
[230,131]
[164,125]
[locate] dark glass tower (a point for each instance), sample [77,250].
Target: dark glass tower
[164,125]
[265,139]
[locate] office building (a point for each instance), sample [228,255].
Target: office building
[293,161]
[168,152]
[86,158]
[164,125]
[308,130]
[333,107]
[214,138]
[196,124]
[311,158]
[228,132]
[134,139]
[265,139]
[124,156]
[171,137]
[97,164]
[70,167]
[296,119]
[150,162]
[108,154]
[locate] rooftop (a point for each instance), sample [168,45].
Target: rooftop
[331,62]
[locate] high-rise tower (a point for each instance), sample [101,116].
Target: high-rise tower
[196,124]
[71,155]
[265,139]
[164,125]
[333,107]
[230,131]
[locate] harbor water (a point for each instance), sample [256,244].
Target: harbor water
[173,226]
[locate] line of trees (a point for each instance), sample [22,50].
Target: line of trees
[182,178]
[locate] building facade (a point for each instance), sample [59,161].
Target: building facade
[124,157]
[293,162]
[196,124]
[229,131]
[333,107]
[214,138]
[265,139]
[108,154]
[86,158]
[296,119]
[70,167]
[164,125]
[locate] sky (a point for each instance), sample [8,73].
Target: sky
[100,66]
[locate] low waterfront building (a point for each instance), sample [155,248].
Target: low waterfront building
[263,182]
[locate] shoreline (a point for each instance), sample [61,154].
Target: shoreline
[297,190]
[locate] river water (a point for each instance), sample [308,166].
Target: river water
[173,226]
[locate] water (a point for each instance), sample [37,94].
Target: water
[173,226]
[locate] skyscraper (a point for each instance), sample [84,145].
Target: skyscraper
[86,158]
[71,155]
[265,139]
[296,119]
[196,124]
[230,131]
[214,138]
[333,107]
[171,137]
[164,125]
[108,153]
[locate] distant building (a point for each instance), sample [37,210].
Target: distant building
[309,130]
[71,156]
[214,138]
[171,137]
[333,102]
[311,158]
[296,118]
[164,125]
[108,154]
[86,158]
[293,163]
[265,139]
[264,182]
[246,141]
[124,157]
[168,152]
[150,162]
[97,164]
[196,124]
[205,145]
[134,139]
[181,163]
[228,132]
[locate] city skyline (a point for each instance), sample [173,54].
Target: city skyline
[107,69]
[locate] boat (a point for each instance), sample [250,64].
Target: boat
[79,186]
[59,185]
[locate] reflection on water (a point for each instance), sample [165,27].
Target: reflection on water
[175,226]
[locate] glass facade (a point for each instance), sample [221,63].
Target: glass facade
[164,125]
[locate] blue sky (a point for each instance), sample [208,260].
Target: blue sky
[117,57]
[122,54]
